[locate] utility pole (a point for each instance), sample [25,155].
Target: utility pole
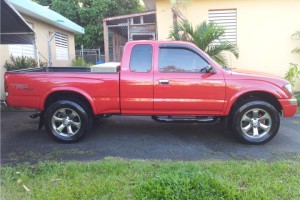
[49,49]
[82,52]
[36,51]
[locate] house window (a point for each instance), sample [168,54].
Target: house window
[18,50]
[227,19]
[174,60]
[21,50]
[62,46]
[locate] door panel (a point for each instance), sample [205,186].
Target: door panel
[137,93]
[186,90]
[194,94]
[136,85]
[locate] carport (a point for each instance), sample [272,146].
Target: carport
[14,29]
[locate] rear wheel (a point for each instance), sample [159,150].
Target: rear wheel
[255,122]
[67,120]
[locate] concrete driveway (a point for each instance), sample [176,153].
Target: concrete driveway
[139,138]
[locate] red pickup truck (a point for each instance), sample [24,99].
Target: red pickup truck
[170,81]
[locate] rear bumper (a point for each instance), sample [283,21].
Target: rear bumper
[3,103]
[289,106]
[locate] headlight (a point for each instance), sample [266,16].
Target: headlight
[288,87]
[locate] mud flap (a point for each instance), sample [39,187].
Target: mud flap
[41,122]
[225,122]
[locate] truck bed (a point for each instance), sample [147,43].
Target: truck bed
[30,87]
[59,69]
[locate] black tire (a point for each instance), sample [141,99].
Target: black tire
[68,120]
[255,122]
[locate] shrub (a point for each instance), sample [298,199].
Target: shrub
[21,62]
[80,62]
[292,74]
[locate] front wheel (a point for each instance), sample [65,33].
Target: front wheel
[255,122]
[67,121]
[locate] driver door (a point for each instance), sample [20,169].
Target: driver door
[182,86]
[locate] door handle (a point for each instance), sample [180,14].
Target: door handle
[163,82]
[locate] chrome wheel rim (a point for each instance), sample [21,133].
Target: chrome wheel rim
[256,123]
[66,122]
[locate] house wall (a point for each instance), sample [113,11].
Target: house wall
[264,30]
[42,30]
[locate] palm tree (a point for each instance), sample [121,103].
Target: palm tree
[207,37]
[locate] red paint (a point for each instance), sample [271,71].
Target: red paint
[132,93]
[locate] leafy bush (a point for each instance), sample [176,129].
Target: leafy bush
[22,62]
[292,74]
[80,62]
[184,186]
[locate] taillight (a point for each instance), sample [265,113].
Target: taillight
[5,84]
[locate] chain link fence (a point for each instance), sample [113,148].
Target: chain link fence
[93,56]
[118,36]
[121,29]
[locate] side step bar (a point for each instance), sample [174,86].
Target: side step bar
[185,119]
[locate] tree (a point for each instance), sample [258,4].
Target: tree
[207,37]
[89,14]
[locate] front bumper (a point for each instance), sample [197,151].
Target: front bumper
[289,106]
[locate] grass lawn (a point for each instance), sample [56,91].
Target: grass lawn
[113,178]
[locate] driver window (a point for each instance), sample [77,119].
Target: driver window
[174,60]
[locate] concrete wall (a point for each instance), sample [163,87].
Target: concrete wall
[42,31]
[264,30]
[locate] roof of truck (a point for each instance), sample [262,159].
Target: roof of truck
[166,42]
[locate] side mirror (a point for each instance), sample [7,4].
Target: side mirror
[208,69]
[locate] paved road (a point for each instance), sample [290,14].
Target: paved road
[139,138]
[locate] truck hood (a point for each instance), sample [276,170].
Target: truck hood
[254,75]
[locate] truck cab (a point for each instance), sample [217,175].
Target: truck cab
[169,79]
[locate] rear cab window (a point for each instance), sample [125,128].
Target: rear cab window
[141,58]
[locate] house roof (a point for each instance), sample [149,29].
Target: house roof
[129,15]
[47,15]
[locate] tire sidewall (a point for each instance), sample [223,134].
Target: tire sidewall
[79,109]
[244,109]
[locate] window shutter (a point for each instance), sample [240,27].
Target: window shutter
[62,47]
[21,50]
[227,19]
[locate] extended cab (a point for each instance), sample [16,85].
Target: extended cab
[170,81]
